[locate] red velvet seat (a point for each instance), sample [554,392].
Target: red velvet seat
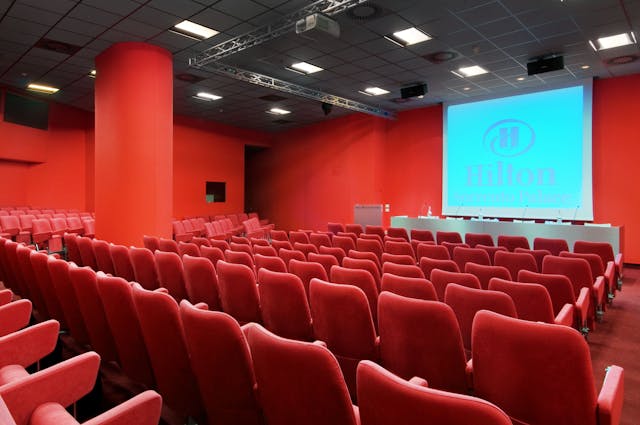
[553,245]
[437,252]
[361,279]
[385,399]
[422,338]
[375,230]
[289,254]
[87,255]
[89,225]
[429,264]
[269,250]
[342,319]
[337,252]
[538,254]
[452,237]
[74,224]
[491,250]
[363,264]
[407,260]
[605,251]
[241,247]
[398,232]
[326,260]
[299,382]
[335,227]
[171,274]
[515,261]
[403,270]
[422,235]
[238,292]
[275,264]
[51,308]
[370,245]
[366,255]
[298,236]
[144,267]
[412,287]
[284,305]
[122,262]
[240,257]
[101,250]
[463,255]
[485,273]
[453,245]
[512,242]
[10,226]
[43,235]
[320,239]
[473,239]
[221,245]
[557,384]
[305,248]
[188,248]
[442,278]
[353,228]
[180,233]
[403,248]
[344,242]
[167,245]
[201,281]
[14,316]
[212,254]
[222,366]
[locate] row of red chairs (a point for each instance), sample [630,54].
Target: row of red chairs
[53,212]
[44,231]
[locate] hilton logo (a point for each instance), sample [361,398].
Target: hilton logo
[509,138]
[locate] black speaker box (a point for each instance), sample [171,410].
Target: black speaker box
[413,91]
[545,65]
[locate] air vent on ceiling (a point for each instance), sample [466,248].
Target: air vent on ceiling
[400,100]
[272,98]
[622,60]
[281,121]
[189,78]
[367,11]
[440,57]
[57,46]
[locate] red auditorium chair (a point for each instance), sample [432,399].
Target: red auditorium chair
[342,319]
[555,382]
[326,260]
[299,382]
[190,229]
[201,281]
[597,269]
[188,248]
[5,296]
[512,242]
[491,250]
[305,248]
[88,257]
[240,257]
[256,241]
[268,250]
[85,284]
[104,262]
[212,254]
[442,278]
[241,247]
[121,315]
[215,230]
[403,270]
[159,318]
[353,228]
[122,262]
[74,224]
[306,271]
[363,264]
[605,251]
[320,239]
[407,260]
[25,270]
[533,302]
[43,237]
[284,305]
[144,267]
[485,273]
[473,239]
[453,245]
[336,252]
[89,227]
[366,255]
[422,338]
[437,252]
[14,316]
[515,261]
[553,245]
[171,274]
[152,243]
[19,284]
[335,227]
[371,236]
[275,264]
[238,292]
[384,398]
[290,254]
[59,226]
[279,235]
[52,308]
[26,222]
[398,232]
[399,248]
[538,254]
[299,237]
[240,240]
[278,245]
[201,241]
[375,230]
[71,245]
[221,245]
[222,365]
[370,245]
[361,279]
[412,287]
[451,237]
[421,236]
[463,255]
[466,302]
[429,264]
[349,235]
[167,245]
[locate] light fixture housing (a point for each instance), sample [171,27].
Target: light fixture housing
[374,91]
[304,68]
[207,96]
[41,88]
[193,30]
[612,41]
[408,37]
[471,71]
[93,73]
[278,111]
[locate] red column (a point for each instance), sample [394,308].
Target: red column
[133,143]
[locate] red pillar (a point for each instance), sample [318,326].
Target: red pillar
[133,143]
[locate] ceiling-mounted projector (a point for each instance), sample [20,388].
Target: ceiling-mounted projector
[318,23]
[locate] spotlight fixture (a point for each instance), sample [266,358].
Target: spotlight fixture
[193,30]
[278,111]
[41,88]
[408,37]
[92,74]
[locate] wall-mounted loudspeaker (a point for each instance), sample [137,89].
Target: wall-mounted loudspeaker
[413,91]
[541,65]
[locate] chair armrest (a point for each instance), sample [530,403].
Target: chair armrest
[565,316]
[611,397]
[162,290]
[14,316]
[202,306]
[5,296]
[610,277]
[469,372]
[599,290]
[27,346]
[421,382]
[619,263]
[582,306]
[64,383]
[320,343]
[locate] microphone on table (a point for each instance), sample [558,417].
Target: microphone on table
[575,213]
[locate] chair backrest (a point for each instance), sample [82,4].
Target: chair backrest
[290,254]
[104,262]
[280,244]
[298,236]
[398,232]
[279,235]
[23,257]
[553,245]
[375,230]
[211,253]
[603,249]
[73,251]
[26,221]
[473,239]
[463,255]
[452,237]
[453,245]
[53,310]
[86,252]
[326,260]
[412,287]
[353,228]
[364,264]
[491,250]
[240,257]
[284,306]
[361,279]
[422,235]
[335,227]
[515,261]
[595,262]
[144,267]
[221,245]
[466,302]
[121,315]
[532,300]
[335,251]
[238,292]
[344,242]
[429,264]
[485,273]
[370,245]
[299,382]
[576,269]
[538,254]
[122,266]
[165,341]
[437,252]
[171,274]
[221,362]
[167,245]
[241,247]
[305,248]
[366,255]
[201,281]
[442,278]
[558,286]
[265,250]
[400,248]
[403,270]
[306,271]
[270,263]
[320,239]
[512,242]
[422,338]
[188,248]
[555,387]
[384,398]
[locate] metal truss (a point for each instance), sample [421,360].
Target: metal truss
[271,31]
[287,87]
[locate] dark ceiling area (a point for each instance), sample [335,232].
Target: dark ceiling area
[55,42]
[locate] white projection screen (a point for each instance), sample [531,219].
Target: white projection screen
[522,156]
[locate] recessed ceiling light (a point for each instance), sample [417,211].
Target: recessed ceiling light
[585,67]
[520,78]
[374,91]
[193,30]
[472,71]
[207,96]
[305,68]
[278,111]
[612,41]
[92,74]
[408,37]
[41,88]
[466,88]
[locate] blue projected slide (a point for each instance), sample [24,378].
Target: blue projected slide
[524,156]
